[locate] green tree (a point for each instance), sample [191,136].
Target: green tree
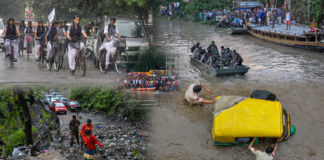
[12,8]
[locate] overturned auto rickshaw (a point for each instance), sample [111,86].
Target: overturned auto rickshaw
[238,119]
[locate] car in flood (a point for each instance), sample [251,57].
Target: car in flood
[238,119]
[58,107]
[1,36]
[132,29]
[73,106]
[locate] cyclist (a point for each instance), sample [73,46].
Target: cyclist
[10,34]
[109,31]
[74,34]
[51,36]
[61,33]
[39,36]
[22,28]
[29,31]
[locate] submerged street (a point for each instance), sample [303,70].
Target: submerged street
[295,75]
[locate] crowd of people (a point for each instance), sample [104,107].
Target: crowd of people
[171,9]
[212,57]
[68,38]
[259,16]
[153,82]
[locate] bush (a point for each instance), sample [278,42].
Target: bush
[110,101]
[150,59]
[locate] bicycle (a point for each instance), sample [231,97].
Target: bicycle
[62,49]
[12,54]
[29,41]
[119,60]
[42,55]
[21,44]
[79,59]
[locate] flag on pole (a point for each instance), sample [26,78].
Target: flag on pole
[51,16]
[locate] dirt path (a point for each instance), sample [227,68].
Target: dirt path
[121,140]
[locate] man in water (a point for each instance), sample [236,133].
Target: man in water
[267,155]
[192,94]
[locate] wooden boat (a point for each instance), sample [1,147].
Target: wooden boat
[238,30]
[220,72]
[142,89]
[304,39]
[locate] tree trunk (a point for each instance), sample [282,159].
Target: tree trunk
[21,101]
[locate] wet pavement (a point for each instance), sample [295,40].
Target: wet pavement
[296,76]
[27,72]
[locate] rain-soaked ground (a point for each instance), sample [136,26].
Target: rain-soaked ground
[27,72]
[295,75]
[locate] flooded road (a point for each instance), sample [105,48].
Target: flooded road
[296,76]
[27,72]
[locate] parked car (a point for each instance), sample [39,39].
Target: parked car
[54,99]
[59,97]
[47,99]
[132,29]
[58,107]
[54,94]
[74,106]
[64,100]
[1,37]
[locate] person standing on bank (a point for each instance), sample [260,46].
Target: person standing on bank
[90,141]
[192,94]
[86,126]
[74,129]
[288,19]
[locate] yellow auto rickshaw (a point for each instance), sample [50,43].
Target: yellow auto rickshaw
[238,119]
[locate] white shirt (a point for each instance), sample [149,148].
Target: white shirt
[261,155]
[288,16]
[106,29]
[191,96]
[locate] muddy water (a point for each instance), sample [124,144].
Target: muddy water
[296,76]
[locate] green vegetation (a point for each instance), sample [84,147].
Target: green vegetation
[12,8]
[149,59]
[15,118]
[66,9]
[111,101]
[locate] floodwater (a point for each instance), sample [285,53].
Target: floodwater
[296,76]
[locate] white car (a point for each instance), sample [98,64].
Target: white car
[1,36]
[55,100]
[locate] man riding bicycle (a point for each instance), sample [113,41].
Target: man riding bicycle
[51,37]
[10,34]
[74,34]
[39,36]
[61,33]
[29,31]
[109,31]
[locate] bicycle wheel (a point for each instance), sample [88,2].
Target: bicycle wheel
[56,59]
[102,62]
[11,57]
[50,62]
[82,64]
[121,63]
[28,49]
